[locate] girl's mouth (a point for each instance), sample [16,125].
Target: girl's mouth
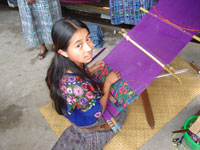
[88,56]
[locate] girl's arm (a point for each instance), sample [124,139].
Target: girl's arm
[110,79]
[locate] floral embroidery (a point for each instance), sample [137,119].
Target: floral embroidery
[97,115]
[83,101]
[122,93]
[84,109]
[78,106]
[90,87]
[78,78]
[74,99]
[89,95]
[63,88]
[84,85]
[92,102]
[71,79]
[63,79]
[105,71]
[78,91]
[70,100]
[79,94]
[122,90]
[69,90]
[63,95]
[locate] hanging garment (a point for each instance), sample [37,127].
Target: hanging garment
[96,34]
[128,11]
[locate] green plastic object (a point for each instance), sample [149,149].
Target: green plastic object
[193,145]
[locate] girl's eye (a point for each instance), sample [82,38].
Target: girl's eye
[78,46]
[89,38]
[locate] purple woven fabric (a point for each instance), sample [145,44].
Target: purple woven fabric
[163,40]
[79,1]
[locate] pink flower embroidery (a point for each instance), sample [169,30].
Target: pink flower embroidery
[97,115]
[84,85]
[70,100]
[78,91]
[74,99]
[122,90]
[63,79]
[89,95]
[64,89]
[104,71]
[125,91]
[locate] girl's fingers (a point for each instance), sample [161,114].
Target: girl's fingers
[118,74]
[101,65]
[101,62]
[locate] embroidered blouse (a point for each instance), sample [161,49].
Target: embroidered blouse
[83,106]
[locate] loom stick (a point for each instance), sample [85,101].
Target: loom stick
[168,74]
[150,55]
[196,38]
[195,67]
[97,55]
[146,11]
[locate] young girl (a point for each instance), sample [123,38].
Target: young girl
[75,94]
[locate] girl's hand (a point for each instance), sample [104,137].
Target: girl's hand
[97,66]
[110,79]
[31,1]
[113,77]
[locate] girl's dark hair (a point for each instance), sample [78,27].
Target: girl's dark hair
[62,32]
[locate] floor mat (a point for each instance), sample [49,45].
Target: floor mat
[167,99]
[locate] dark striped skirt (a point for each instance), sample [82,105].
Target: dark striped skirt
[74,138]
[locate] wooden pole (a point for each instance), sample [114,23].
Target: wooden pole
[148,54]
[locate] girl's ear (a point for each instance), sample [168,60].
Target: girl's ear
[63,53]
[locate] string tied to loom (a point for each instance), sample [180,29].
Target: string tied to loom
[168,21]
[184,29]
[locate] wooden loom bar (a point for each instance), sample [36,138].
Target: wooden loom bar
[148,54]
[100,8]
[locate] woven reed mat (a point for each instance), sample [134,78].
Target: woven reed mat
[167,99]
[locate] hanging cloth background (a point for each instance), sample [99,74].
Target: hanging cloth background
[128,11]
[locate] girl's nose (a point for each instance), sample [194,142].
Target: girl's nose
[87,47]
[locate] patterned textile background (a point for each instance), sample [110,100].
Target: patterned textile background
[128,11]
[120,94]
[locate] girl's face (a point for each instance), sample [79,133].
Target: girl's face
[80,47]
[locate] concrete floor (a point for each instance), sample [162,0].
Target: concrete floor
[23,90]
